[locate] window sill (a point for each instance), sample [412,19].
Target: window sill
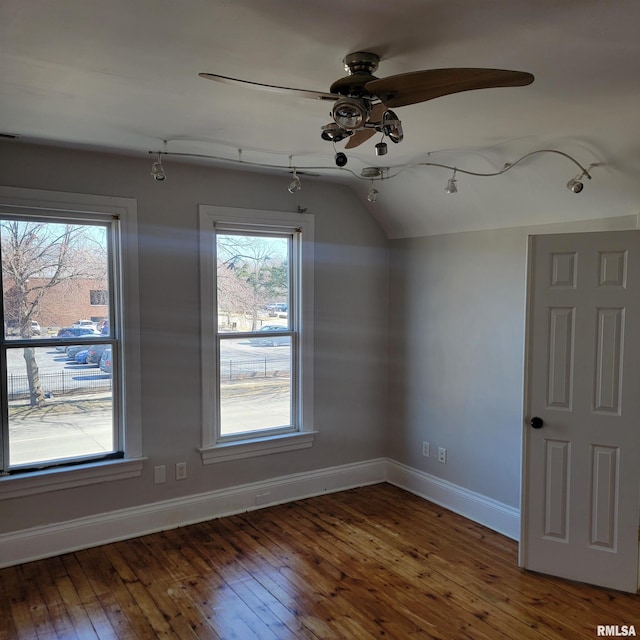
[257,447]
[48,480]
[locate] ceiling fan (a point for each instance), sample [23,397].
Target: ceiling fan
[363,103]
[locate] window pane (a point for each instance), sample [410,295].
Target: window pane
[255,384]
[54,276]
[77,417]
[252,280]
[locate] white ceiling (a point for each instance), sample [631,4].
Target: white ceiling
[123,75]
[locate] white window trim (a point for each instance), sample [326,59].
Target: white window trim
[213,451]
[37,201]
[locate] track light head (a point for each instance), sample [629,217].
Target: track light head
[575,185]
[157,170]
[452,186]
[295,184]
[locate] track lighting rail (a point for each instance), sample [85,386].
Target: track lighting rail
[507,167]
[378,173]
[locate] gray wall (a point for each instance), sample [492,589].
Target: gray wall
[351,291]
[454,318]
[457,322]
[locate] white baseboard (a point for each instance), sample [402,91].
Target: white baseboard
[486,511]
[55,539]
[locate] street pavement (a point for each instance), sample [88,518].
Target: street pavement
[61,430]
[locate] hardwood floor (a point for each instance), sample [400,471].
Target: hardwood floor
[374,562]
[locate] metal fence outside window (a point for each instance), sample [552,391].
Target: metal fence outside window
[59,383]
[269,367]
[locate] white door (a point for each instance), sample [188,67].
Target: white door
[581,462]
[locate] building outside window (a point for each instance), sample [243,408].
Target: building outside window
[257,279]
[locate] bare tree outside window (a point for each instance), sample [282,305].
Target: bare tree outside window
[252,272]
[37,257]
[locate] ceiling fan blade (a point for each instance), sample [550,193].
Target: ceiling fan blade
[419,86]
[358,137]
[362,135]
[301,93]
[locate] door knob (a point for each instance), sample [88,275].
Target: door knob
[537,423]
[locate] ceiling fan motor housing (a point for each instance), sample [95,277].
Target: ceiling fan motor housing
[360,66]
[361,61]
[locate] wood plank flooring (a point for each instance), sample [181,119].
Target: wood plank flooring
[374,562]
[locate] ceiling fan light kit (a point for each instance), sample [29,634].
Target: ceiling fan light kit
[392,127]
[350,113]
[381,149]
[333,133]
[340,159]
[363,103]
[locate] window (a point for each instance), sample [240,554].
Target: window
[68,386]
[257,317]
[98,297]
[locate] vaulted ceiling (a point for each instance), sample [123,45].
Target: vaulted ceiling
[123,76]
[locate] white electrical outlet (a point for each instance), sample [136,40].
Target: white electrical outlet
[425,449]
[181,470]
[442,455]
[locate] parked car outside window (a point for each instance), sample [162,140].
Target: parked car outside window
[94,353]
[72,351]
[90,324]
[271,341]
[105,360]
[81,356]
[74,332]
